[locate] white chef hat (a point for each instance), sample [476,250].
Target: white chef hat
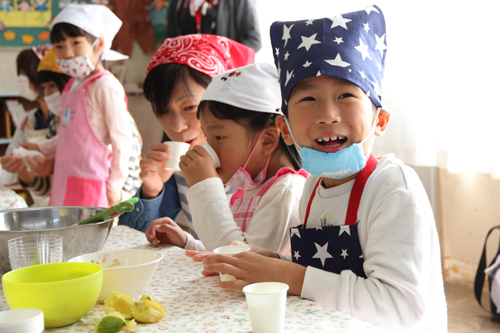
[253,87]
[97,20]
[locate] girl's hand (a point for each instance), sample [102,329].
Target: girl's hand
[41,167]
[249,267]
[198,256]
[197,165]
[164,230]
[153,172]
[113,197]
[13,164]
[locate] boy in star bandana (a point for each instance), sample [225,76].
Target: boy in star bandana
[368,246]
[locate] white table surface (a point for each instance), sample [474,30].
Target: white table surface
[194,303]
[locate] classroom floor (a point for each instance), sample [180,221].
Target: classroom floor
[464,313]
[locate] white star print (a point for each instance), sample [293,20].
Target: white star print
[361,256]
[363,75]
[344,253]
[288,76]
[295,231]
[367,27]
[296,255]
[307,64]
[368,94]
[338,40]
[363,49]
[370,9]
[322,253]
[309,22]
[377,89]
[344,228]
[380,44]
[286,55]
[338,61]
[279,70]
[319,228]
[318,74]
[339,21]
[286,33]
[307,42]
[277,51]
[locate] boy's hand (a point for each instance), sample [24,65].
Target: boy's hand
[30,146]
[197,165]
[153,172]
[41,167]
[164,230]
[198,256]
[249,267]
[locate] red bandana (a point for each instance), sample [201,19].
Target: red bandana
[209,54]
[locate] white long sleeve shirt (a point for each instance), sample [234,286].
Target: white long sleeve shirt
[276,213]
[404,289]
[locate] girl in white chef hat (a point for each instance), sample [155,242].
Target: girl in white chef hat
[94,145]
[237,113]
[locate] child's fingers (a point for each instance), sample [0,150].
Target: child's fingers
[235,284]
[160,147]
[157,156]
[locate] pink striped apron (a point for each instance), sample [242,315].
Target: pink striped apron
[244,208]
[83,161]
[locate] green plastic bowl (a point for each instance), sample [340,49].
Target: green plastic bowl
[64,291]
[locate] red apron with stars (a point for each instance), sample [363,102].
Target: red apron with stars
[244,208]
[333,248]
[83,161]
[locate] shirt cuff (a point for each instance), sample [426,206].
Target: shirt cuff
[193,244]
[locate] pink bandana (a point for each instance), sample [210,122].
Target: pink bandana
[209,54]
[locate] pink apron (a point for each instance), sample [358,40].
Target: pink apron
[82,160]
[244,208]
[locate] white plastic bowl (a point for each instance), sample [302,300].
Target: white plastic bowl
[126,270]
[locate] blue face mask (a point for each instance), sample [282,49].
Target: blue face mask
[338,165]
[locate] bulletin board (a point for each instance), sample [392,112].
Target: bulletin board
[27,22]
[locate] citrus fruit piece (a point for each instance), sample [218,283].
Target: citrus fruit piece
[120,302]
[148,310]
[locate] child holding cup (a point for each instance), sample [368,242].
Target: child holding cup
[237,114]
[177,77]
[368,246]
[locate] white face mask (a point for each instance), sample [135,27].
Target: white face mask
[79,66]
[54,102]
[23,86]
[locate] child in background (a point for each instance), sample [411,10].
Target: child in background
[237,114]
[36,127]
[369,246]
[177,77]
[86,171]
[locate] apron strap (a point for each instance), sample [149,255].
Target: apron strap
[95,77]
[283,171]
[357,190]
[308,209]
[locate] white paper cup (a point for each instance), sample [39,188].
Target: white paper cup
[22,321]
[230,250]
[177,149]
[267,306]
[212,154]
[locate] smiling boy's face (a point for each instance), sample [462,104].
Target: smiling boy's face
[329,114]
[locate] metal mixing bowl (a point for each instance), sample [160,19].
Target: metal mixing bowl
[77,239]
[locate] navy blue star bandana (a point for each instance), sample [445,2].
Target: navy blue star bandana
[349,46]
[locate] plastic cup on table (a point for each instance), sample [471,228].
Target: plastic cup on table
[230,250]
[177,149]
[34,250]
[22,321]
[267,306]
